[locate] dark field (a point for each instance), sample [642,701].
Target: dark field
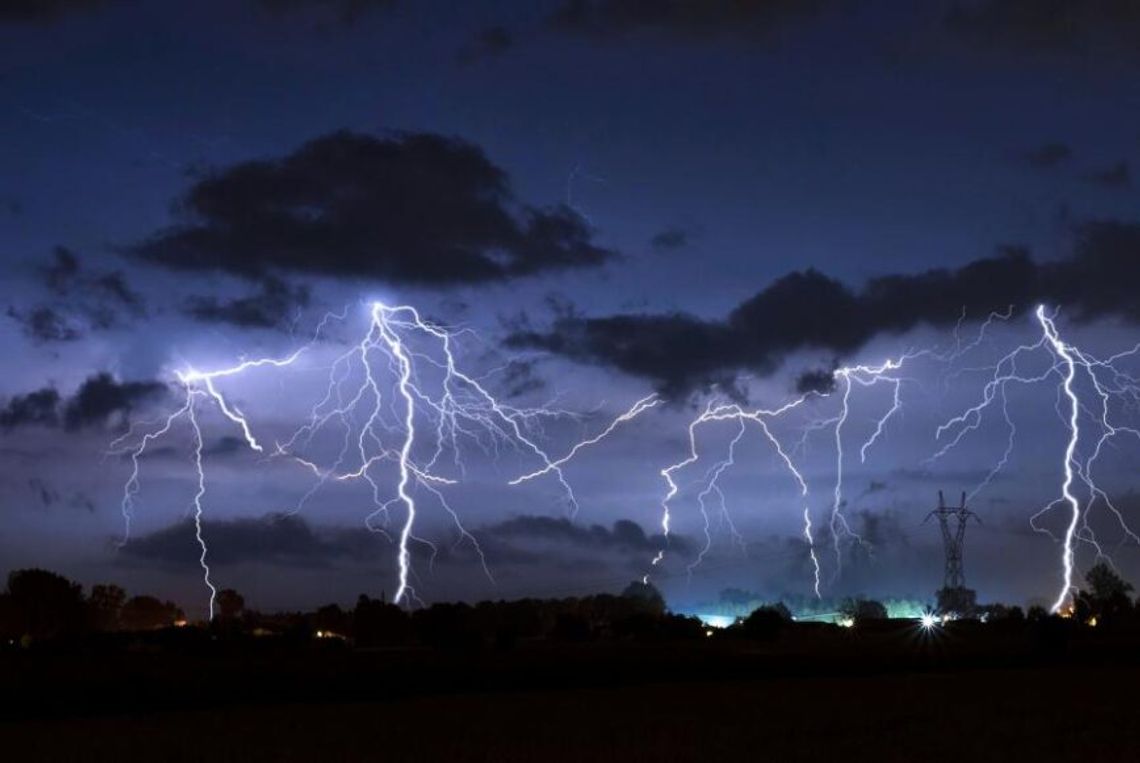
[968,694]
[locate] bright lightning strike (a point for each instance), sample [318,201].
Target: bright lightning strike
[398,401]
[762,418]
[404,413]
[1077,372]
[848,378]
[1070,364]
[1062,350]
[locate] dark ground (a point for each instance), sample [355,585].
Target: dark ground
[966,695]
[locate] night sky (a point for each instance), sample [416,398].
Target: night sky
[604,199]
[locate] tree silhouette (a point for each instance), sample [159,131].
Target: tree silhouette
[44,605]
[105,606]
[143,613]
[230,604]
[648,599]
[376,623]
[766,622]
[862,610]
[1106,598]
[332,619]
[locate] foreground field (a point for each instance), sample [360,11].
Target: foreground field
[1060,714]
[889,697]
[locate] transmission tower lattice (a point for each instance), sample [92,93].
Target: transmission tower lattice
[953,538]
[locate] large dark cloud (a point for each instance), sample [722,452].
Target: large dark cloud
[809,310]
[624,535]
[100,399]
[684,18]
[276,539]
[80,300]
[408,208]
[289,539]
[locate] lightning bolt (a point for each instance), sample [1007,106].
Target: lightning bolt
[199,494]
[399,399]
[865,376]
[1062,350]
[715,412]
[1072,367]
[636,410]
[846,379]
[403,413]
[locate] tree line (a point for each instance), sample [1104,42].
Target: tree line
[40,606]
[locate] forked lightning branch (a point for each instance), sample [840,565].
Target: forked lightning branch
[404,413]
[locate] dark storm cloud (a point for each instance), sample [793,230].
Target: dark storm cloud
[97,400]
[1115,177]
[39,408]
[276,539]
[819,380]
[1084,27]
[625,535]
[41,11]
[670,239]
[684,18]
[557,543]
[809,310]
[291,540]
[102,396]
[410,208]
[81,301]
[1048,156]
[274,304]
[679,351]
